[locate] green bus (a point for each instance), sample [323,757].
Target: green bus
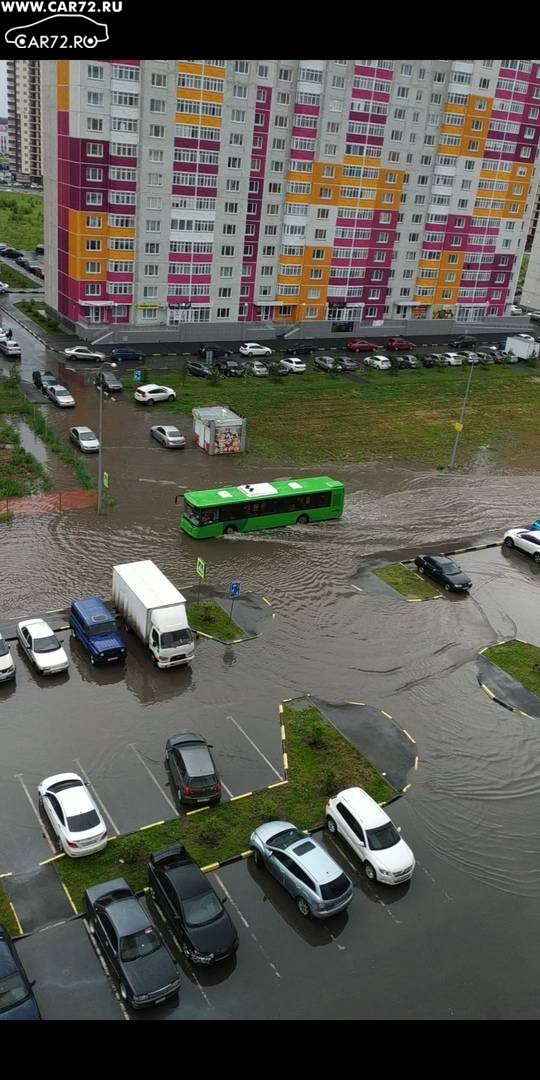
[261,506]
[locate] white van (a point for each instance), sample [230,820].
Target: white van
[355,816]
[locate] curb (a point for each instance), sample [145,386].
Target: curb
[477,547]
[498,701]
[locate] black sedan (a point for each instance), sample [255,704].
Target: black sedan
[463,342]
[445,571]
[230,368]
[218,352]
[17,1001]
[131,944]
[109,382]
[43,379]
[201,369]
[191,907]
[299,350]
[192,768]
[122,353]
[347,363]
[327,363]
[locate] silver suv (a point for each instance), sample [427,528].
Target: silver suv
[303,867]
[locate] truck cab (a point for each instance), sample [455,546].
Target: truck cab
[170,644]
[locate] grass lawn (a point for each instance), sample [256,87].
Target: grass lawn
[20,473]
[405,581]
[309,418]
[33,309]
[21,220]
[6,914]
[14,403]
[520,660]
[321,762]
[17,281]
[211,619]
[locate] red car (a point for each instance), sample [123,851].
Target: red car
[360,346]
[399,343]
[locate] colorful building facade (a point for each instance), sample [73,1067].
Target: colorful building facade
[286,190]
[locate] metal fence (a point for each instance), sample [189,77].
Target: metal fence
[45,504]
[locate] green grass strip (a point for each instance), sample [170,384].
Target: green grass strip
[33,310]
[518,659]
[211,619]
[6,914]
[406,582]
[321,762]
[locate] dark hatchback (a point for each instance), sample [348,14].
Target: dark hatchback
[191,906]
[43,379]
[109,382]
[201,369]
[127,354]
[463,342]
[132,945]
[299,350]
[17,1001]
[192,768]
[218,352]
[445,571]
[230,369]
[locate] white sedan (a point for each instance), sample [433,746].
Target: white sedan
[453,359]
[151,393]
[42,646]
[526,540]
[251,348]
[7,665]
[60,395]
[82,352]
[382,363]
[293,364]
[73,814]
[84,438]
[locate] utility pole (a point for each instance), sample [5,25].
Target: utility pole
[459,425]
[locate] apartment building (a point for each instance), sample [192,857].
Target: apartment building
[211,191]
[24,118]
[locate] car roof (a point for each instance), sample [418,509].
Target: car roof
[128,916]
[197,759]
[169,429]
[151,386]
[309,854]
[187,879]
[75,800]
[93,608]
[371,813]
[37,627]
[81,428]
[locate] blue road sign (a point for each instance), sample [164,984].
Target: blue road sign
[234,589]
[137,376]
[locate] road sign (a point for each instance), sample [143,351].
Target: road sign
[234,590]
[458,426]
[200,569]
[106,481]
[137,376]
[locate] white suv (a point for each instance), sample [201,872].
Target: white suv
[293,364]
[251,348]
[372,836]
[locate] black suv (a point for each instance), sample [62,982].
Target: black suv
[200,368]
[298,350]
[218,352]
[463,342]
[230,368]
[193,768]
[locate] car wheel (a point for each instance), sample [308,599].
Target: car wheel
[447,588]
[257,857]
[123,991]
[303,906]
[508,542]
[369,871]
[421,570]
[230,530]
[302,520]
[331,826]
[171,397]
[536,557]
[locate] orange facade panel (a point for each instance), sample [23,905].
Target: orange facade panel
[62,85]
[185,93]
[195,121]
[200,69]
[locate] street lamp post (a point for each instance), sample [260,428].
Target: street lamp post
[104,363]
[459,425]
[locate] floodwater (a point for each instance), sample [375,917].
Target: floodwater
[476,793]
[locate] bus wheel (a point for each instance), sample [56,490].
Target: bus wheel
[230,530]
[302,520]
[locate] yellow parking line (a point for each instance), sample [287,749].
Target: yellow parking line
[282,730]
[16,917]
[409,736]
[53,858]
[280,783]
[386,714]
[246,854]
[487,690]
[70,901]
[211,866]
[416,762]
[356,703]
[413,600]
[285,763]
[267,601]
[280,707]
[406,788]
[9,874]
[200,810]
[237,641]
[152,826]
[234,798]
[202,634]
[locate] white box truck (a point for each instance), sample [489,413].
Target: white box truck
[522,345]
[152,606]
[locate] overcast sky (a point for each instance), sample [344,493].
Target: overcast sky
[3,92]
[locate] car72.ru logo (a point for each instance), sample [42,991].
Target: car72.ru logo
[56,32]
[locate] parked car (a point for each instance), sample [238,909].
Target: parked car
[4,287]
[39,272]
[371,834]
[251,348]
[82,352]
[42,646]
[131,944]
[303,867]
[7,663]
[328,363]
[516,310]
[151,392]
[231,369]
[445,571]
[17,1001]
[298,349]
[73,814]
[534,315]
[193,769]
[435,360]
[470,357]
[486,357]
[84,439]
[218,351]
[40,249]
[121,353]
[23,261]
[293,365]
[525,540]
[256,368]
[453,359]
[277,367]
[360,345]
[191,906]
[43,379]
[168,436]
[201,368]
[463,341]
[10,347]
[33,268]
[94,626]
[399,343]
[347,363]
[428,361]
[109,381]
[409,361]
[381,363]
[11,253]
[61,396]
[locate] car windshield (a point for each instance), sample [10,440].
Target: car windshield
[285,838]
[4,647]
[176,637]
[46,644]
[134,946]
[83,822]
[62,393]
[202,909]
[87,436]
[384,837]
[108,626]
[335,888]
[12,990]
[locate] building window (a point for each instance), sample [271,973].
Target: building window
[94,198]
[92,267]
[151,270]
[223,313]
[95,71]
[158,79]
[94,175]
[157,131]
[94,123]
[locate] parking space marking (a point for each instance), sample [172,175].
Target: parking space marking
[357,587]
[152,777]
[356,703]
[387,714]
[99,955]
[96,796]
[16,917]
[228,790]
[267,601]
[248,928]
[68,896]
[147,480]
[19,776]
[405,732]
[255,747]
[341,852]
[434,881]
